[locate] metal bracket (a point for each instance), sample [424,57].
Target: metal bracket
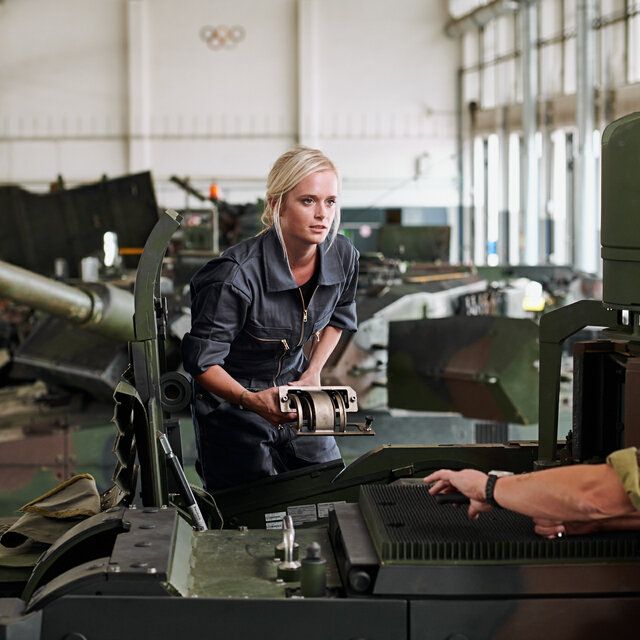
[322,411]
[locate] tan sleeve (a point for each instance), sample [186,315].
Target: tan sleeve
[626,463]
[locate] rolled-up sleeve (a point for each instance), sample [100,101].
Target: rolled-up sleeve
[626,464]
[218,313]
[344,315]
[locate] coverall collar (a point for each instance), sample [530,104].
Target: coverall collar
[278,275]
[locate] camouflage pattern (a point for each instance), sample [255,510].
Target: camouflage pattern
[422,243]
[482,367]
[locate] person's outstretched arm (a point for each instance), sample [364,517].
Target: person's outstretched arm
[578,493]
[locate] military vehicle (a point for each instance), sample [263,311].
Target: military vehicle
[64,329]
[394,563]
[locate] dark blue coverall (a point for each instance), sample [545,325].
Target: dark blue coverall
[249,316]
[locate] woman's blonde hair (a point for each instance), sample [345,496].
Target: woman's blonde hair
[287,172]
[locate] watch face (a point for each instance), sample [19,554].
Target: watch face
[500,474]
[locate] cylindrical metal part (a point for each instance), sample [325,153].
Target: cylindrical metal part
[104,309]
[322,412]
[112,312]
[529,159]
[620,214]
[359,580]
[585,231]
[288,569]
[185,489]
[90,269]
[313,573]
[43,293]
[61,268]
[279,551]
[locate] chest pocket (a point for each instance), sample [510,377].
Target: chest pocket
[267,339]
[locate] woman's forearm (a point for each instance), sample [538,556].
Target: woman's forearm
[217,381]
[265,403]
[329,338]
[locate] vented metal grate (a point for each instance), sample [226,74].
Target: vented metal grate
[406,525]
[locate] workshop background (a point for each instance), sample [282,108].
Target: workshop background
[467,134]
[488,152]
[420,109]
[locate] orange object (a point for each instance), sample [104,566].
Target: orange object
[214,191]
[130,251]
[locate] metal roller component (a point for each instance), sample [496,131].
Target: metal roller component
[341,410]
[322,411]
[175,391]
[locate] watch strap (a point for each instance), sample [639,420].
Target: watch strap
[490,489]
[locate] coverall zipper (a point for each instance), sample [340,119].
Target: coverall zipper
[304,314]
[284,343]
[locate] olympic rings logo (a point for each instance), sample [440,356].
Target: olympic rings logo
[222,37]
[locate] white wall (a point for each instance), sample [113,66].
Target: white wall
[62,89]
[110,86]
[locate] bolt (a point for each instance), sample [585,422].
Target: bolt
[359,580]
[152,570]
[352,398]
[284,398]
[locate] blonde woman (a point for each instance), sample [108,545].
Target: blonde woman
[253,310]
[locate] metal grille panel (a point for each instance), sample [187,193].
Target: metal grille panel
[407,525]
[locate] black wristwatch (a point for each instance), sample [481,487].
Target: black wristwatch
[490,487]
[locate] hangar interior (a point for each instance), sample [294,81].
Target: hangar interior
[486,152]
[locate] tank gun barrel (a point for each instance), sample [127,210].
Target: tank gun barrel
[101,307]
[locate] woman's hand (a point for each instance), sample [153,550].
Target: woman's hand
[267,405]
[469,482]
[307,379]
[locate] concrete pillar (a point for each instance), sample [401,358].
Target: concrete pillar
[139,107]
[308,74]
[585,229]
[530,177]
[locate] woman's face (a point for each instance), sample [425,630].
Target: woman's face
[308,210]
